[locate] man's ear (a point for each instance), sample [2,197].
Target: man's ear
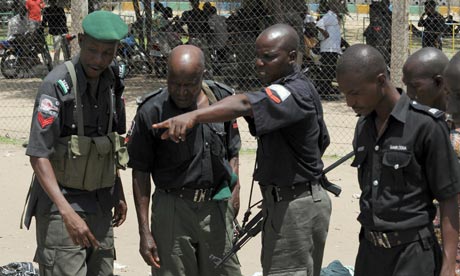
[293,56]
[81,37]
[381,79]
[438,80]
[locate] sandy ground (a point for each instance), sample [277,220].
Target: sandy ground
[19,245]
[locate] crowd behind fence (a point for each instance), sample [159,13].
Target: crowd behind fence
[226,31]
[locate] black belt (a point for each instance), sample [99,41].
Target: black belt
[286,193]
[195,195]
[396,238]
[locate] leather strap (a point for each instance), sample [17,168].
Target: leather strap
[73,76]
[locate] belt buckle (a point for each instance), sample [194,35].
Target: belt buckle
[200,195]
[380,239]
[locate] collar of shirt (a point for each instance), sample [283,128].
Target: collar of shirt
[83,86]
[399,111]
[288,78]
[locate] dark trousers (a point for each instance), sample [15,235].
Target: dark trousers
[294,234]
[421,258]
[328,62]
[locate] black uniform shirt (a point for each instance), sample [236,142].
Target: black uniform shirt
[53,118]
[402,171]
[288,120]
[199,162]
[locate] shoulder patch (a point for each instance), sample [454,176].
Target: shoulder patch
[63,86]
[277,93]
[122,71]
[142,99]
[433,112]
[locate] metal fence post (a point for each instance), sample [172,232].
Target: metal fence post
[79,9]
[399,40]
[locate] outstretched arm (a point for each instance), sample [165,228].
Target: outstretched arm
[225,110]
[449,231]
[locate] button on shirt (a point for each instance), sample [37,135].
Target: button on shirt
[291,132]
[403,170]
[201,161]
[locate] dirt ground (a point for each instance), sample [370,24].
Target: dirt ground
[16,103]
[19,245]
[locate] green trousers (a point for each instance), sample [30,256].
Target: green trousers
[294,234]
[192,236]
[57,255]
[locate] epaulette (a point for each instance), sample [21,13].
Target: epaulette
[64,88]
[142,99]
[220,90]
[433,112]
[225,87]
[119,70]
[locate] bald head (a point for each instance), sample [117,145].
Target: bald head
[451,75]
[426,62]
[452,70]
[283,34]
[363,60]
[186,60]
[423,77]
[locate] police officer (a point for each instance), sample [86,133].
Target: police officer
[73,145]
[192,206]
[451,74]
[287,118]
[423,77]
[404,161]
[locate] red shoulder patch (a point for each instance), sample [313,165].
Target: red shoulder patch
[44,122]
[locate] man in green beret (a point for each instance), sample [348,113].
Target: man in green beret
[75,151]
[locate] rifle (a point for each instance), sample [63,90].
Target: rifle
[254,226]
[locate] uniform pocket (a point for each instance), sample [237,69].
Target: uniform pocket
[360,158]
[218,139]
[45,256]
[394,165]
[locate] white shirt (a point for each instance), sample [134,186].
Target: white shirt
[330,23]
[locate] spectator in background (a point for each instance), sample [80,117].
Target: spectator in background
[34,8]
[219,35]
[196,21]
[198,31]
[433,24]
[54,18]
[18,24]
[330,47]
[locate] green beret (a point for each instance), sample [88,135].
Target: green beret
[104,25]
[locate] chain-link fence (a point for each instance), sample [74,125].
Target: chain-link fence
[36,35]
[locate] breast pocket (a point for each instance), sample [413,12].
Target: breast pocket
[173,154]
[218,139]
[395,167]
[358,162]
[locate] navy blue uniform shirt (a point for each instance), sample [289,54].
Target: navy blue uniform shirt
[403,170]
[292,136]
[201,161]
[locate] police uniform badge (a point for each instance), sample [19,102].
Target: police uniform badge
[277,93]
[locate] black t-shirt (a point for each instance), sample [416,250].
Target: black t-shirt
[401,172]
[54,17]
[196,21]
[199,162]
[288,120]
